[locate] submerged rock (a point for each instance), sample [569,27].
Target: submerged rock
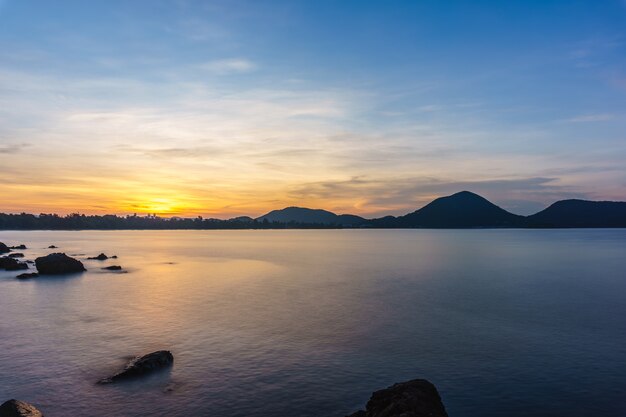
[19,247]
[113,268]
[4,248]
[27,275]
[58,263]
[101,257]
[16,255]
[16,408]
[142,365]
[415,398]
[10,264]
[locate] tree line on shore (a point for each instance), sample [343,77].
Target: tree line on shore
[75,221]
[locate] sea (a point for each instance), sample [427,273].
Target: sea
[505,322]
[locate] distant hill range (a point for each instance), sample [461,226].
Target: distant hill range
[461,210]
[468,210]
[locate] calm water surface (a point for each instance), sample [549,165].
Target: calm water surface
[308,323]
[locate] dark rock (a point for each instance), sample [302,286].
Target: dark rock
[10,264]
[114,257]
[15,408]
[52,247]
[416,398]
[101,257]
[16,255]
[27,275]
[58,263]
[19,247]
[143,365]
[6,261]
[113,268]
[4,248]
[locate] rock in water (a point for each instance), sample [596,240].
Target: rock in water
[20,247]
[52,247]
[27,275]
[15,408]
[10,264]
[101,257]
[16,255]
[416,398]
[4,248]
[58,263]
[113,268]
[143,365]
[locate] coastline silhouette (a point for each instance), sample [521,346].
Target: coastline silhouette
[463,210]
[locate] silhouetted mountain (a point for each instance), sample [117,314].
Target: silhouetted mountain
[383,222]
[243,219]
[310,216]
[460,210]
[581,213]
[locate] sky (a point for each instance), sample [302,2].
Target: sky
[229,108]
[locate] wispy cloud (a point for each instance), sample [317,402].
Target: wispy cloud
[602,117]
[12,149]
[594,51]
[229,66]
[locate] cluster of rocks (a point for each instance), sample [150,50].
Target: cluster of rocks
[52,264]
[9,263]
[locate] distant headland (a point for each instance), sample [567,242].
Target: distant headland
[463,210]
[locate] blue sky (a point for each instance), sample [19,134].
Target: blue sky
[370,107]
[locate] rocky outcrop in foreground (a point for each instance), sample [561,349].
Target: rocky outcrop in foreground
[58,263]
[4,248]
[416,398]
[16,408]
[142,365]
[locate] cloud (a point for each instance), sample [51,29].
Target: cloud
[12,149]
[603,117]
[180,152]
[229,66]
[594,51]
